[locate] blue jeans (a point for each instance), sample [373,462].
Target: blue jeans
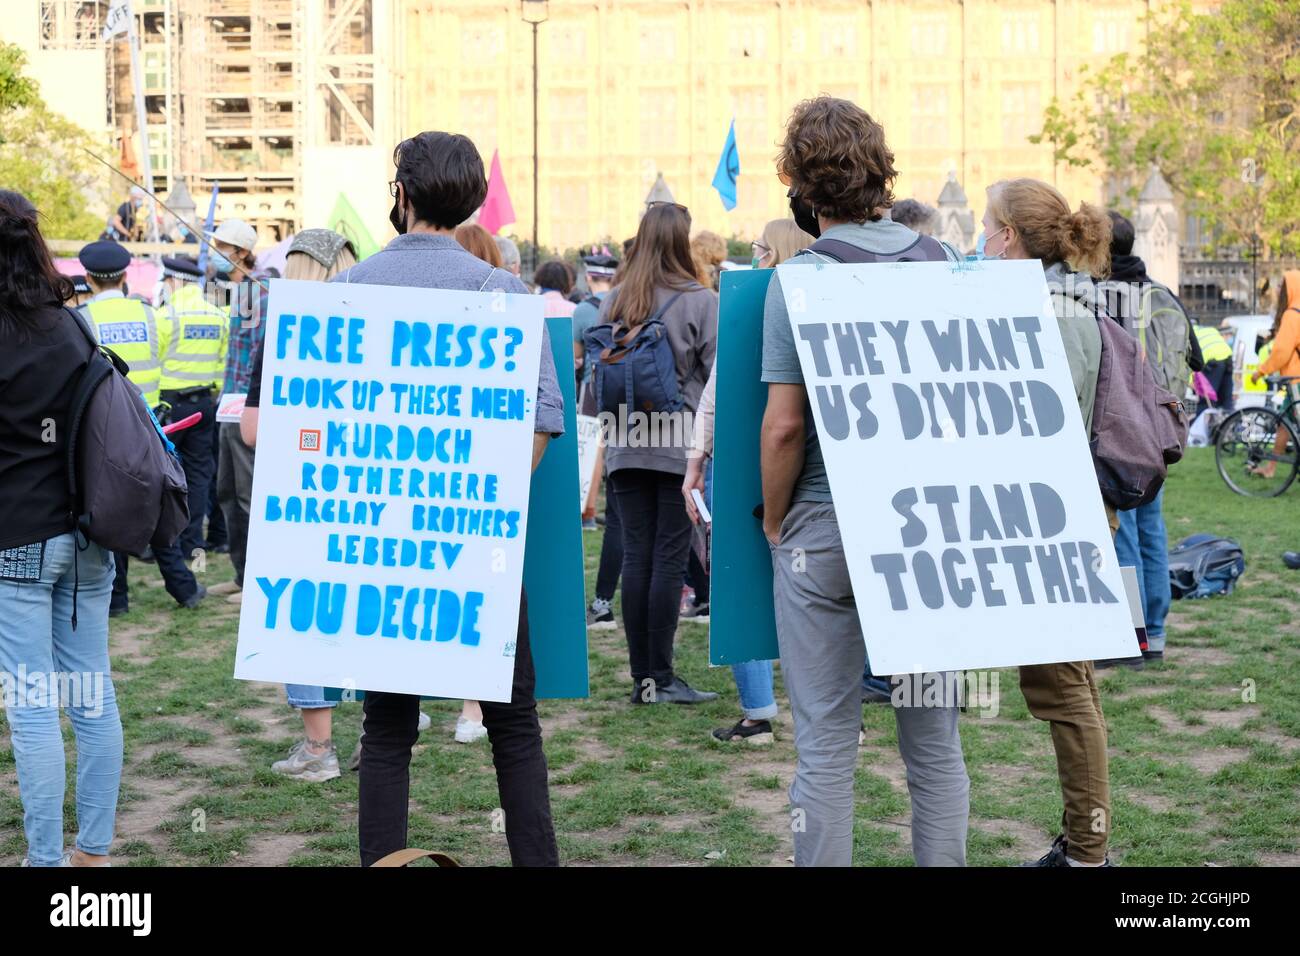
[1141,542]
[306,697]
[754,682]
[43,663]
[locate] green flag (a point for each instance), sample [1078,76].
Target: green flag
[345,221]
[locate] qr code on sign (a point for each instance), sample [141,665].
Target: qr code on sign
[309,439]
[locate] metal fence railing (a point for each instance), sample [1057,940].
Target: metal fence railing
[1213,289]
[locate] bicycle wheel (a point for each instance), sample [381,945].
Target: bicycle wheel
[1247,453]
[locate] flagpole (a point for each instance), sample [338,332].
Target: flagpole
[133,40]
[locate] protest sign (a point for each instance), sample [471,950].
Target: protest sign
[553,571]
[390,497]
[231,406]
[588,455]
[742,624]
[973,528]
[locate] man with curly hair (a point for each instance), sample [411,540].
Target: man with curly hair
[840,171]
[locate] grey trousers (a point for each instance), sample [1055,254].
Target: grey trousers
[822,658]
[235,492]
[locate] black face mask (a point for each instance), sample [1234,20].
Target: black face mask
[804,217]
[396,218]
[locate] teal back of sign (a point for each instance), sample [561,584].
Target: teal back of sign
[553,562]
[742,620]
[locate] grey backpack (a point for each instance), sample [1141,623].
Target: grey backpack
[125,484]
[1160,325]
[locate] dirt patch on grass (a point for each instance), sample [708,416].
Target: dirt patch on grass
[1150,801]
[1138,693]
[1278,859]
[157,801]
[887,763]
[1230,719]
[272,849]
[1029,840]
[131,641]
[1280,740]
[770,805]
[1213,760]
[1201,656]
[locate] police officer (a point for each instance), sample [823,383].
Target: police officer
[1218,366]
[81,290]
[127,326]
[131,329]
[193,366]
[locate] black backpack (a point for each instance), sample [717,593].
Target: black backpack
[126,487]
[1204,565]
[634,368]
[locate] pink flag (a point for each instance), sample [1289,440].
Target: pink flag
[496,211]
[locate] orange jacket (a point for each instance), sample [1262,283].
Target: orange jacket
[1284,358]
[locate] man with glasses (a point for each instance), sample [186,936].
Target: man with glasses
[440,182]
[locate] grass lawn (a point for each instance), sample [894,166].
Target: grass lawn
[1205,749]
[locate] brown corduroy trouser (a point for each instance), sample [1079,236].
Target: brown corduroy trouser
[1066,696]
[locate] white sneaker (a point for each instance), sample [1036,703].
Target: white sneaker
[425,722]
[301,764]
[468,731]
[67,861]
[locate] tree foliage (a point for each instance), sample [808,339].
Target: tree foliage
[42,156]
[1213,101]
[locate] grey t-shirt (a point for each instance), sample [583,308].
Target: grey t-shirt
[430,261]
[781,360]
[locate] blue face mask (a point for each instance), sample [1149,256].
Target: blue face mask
[980,246]
[220,262]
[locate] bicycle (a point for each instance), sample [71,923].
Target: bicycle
[1258,449]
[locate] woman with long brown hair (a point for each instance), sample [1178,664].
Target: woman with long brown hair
[645,477]
[49,571]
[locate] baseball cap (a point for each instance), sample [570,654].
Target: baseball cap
[236,232]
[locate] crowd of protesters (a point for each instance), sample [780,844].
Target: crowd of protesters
[840,171]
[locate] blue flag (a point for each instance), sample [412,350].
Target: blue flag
[724,180]
[207,231]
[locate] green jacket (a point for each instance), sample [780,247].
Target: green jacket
[1074,299]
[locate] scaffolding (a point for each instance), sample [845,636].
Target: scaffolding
[69,24]
[243,107]
[236,90]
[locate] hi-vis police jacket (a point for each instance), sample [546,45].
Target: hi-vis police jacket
[1214,347]
[130,328]
[196,352]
